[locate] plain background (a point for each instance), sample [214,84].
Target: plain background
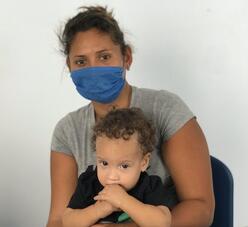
[197,49]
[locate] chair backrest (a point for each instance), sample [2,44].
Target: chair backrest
[223,191]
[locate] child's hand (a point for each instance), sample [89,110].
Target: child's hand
[113,194]
[104,208]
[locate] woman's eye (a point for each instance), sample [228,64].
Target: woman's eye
[80,62]
[105,57]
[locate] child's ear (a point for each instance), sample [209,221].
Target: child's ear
[145,162]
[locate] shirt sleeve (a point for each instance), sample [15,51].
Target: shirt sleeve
[172,114]
[60,139]
[77,199]
[156,194]
[87,188]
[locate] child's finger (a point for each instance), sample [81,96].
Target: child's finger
[99,197]
[96,197]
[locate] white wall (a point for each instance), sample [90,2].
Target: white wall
[197,49]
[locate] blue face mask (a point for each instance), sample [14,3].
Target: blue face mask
[100,84]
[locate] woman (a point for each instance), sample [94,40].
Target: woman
[98,58]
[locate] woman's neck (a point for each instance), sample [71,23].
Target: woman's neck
[123,101]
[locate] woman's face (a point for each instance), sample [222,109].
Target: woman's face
[95,48]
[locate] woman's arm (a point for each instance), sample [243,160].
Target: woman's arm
[187,158]
[63,183]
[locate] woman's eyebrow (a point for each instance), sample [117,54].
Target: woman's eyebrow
[100,51]
[97,52]
[79,56]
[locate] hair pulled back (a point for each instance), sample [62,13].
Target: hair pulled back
[88,18]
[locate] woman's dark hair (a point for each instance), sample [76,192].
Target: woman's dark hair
[123,123]
[92,17]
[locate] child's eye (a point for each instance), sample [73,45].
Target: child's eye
[103,163]
[124,166]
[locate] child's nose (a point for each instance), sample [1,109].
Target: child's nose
[113,176]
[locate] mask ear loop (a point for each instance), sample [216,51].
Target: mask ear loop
[124,74]
[124,70]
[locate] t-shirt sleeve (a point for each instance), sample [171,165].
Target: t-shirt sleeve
[85,190]
[60,139]
[172,114]
[156,193]
[77,200]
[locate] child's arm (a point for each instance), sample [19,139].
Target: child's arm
[144,215]
[88,216]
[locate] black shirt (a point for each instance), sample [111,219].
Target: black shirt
[149,190]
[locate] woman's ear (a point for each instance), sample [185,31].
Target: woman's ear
[128,59]
[145,162]
[68,63]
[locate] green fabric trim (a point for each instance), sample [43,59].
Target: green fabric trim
[123,217]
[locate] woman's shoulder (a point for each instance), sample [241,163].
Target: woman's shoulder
[150,91]
[83,111]
[154,102]
[153,96]
[74,117]
[166,109]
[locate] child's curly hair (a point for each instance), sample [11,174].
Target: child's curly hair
[123,123]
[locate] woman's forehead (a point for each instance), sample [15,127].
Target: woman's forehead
[92,41]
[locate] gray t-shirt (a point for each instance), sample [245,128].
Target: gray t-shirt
[72,134]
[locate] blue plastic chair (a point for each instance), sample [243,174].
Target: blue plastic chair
[223,192]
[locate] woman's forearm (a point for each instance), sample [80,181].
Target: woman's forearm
[192,213]
[54,223]
[80,217]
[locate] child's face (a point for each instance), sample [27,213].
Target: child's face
[120,161]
